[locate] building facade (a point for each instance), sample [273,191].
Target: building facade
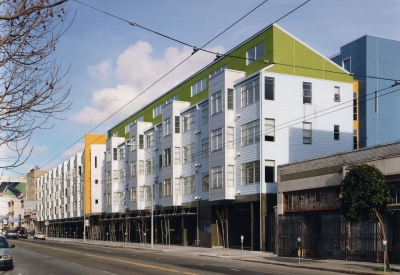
[211,144]
[375,63]
[308,207]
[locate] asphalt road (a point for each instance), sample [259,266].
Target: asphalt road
[53,257]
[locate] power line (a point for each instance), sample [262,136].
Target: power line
[151,84]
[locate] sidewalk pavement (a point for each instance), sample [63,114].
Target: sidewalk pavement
[349,267]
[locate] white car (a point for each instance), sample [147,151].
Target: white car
[39,235]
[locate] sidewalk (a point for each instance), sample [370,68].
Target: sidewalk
[348,267]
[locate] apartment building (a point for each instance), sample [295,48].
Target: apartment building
[73,190]
[211,144]
[374,61]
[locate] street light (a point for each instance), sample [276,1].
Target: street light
[197,198]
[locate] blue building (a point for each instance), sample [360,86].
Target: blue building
[375,62]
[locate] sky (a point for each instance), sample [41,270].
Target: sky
[110,62]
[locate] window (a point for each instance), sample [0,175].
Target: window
[188,155]
[337,94]
[355,139]
[122,175]
[141,118]
[216,139]
[148,193]
[115,176]
[250,132]
[167,126]
[169,100]
[231,176]
[269,171]
[115,154]
[230,99]
[148,166]
[121,152]
[133,142]
[96,181]
[251,172]
[108,199]
[217,71]
[307,93]
[141,141]
[269,88]
[189,185]
[326,198]
[141,167]
[354,106]
[159,162]
[141,193]
[108,177]
[250,93]
[128,127]
[307,134]
[167,157]
[231,138]
[177,124]
[205,182]
[188,121]
[204,114]
[96,201]
[269,129]
[133,169]
[177,186]
[150,140]
[204,148]
[95,162]
[216,103]
[160,193]
[199,86]
[336,132]
[157,110]
[347,64]
[167,188]
[116,133]
[255,53]
[160,134]
[217,180]
[177,153]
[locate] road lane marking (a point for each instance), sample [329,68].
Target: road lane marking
[234,269]
[142,265]
[122,261]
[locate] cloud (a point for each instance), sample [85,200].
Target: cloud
[39,150]
[136,70]
[101,71]
[76,148]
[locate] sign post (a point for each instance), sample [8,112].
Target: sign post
[299,245]
[384,242]
[241,240]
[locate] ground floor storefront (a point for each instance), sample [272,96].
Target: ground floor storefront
[330,236]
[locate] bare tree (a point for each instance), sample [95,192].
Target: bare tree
[32,85]
[223,217]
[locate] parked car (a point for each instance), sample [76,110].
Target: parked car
[22,232]
[12,234]
[6,253]
[39,235]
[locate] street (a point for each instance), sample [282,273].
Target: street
[54,257]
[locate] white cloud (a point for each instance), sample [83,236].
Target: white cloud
[76,148]
[101,71]
[137,70]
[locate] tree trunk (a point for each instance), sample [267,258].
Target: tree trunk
[384,237]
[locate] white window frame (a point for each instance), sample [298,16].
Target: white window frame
[217,177]
[216,103]
[167,126]
[258,53]
[251,172]
[199,86]
[251,132]
[250,92]
[307,133]
[216,140]
[269,124]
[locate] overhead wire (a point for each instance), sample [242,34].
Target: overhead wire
[159,79]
